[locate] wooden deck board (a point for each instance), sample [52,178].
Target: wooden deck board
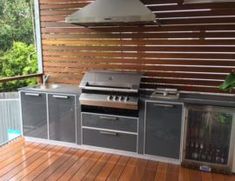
[9,165]
[82,172]
[150,171]
[139,170]
[104,173]
[55,165]
[72,171]
[32,161]
[118,169]
[97,168]
[66,166]
[28,160]
[29,168]
[34,174]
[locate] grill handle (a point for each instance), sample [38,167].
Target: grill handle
[109,133]
[109,118]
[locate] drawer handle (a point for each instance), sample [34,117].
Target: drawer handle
[164,105]
[108,133]
[32,94]
[60,97]
[109,118]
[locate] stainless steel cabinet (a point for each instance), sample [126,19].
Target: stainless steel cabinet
[62,118]
[34,114]
[163,129]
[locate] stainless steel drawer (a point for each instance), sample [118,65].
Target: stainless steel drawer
[108,139]
[109,122]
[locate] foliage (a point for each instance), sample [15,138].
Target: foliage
[229,83]
[21,59]
[17,52]
[15,23]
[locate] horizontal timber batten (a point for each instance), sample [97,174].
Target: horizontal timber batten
[192,50]
[20,77]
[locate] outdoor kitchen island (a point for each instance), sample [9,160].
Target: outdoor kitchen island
[156,129]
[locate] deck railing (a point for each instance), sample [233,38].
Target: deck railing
[10,119]
[10,114]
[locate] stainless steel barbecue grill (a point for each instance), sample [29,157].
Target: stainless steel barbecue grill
[110,89]
[110,109]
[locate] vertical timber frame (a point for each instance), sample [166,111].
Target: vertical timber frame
[38,35]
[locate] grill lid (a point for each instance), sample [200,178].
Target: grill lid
[111,81]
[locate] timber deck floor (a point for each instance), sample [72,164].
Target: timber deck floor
[22,160]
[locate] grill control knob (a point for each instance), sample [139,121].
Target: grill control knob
[110,98]
[126,99]
[116,98]
[121,98]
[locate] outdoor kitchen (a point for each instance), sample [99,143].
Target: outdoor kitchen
[128,90]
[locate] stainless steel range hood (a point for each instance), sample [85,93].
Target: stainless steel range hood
[112,12]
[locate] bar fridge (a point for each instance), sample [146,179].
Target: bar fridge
[209,138]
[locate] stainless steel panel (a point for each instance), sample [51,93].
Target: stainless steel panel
[102,101]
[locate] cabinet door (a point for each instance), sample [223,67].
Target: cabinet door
[61,118]
[34,114]
[163,129]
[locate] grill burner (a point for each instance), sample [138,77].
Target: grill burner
[110,89]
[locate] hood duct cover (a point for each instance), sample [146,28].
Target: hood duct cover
[112,12]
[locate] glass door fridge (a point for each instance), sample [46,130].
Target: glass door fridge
[209,138]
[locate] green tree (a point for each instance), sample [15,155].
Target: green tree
[15,23]
[21,59]
[17,52]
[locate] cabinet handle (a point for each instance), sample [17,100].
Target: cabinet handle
[60,97]
[164,105]
[109,118]
[33,94]
[108,133]
[29,127]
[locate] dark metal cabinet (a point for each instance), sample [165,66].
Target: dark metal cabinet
[34,114]
[62,118]
[163,129]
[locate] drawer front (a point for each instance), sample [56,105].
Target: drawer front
[108,139]
[109,122]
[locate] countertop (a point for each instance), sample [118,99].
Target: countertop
[53,88]
[199,98]
[187,98]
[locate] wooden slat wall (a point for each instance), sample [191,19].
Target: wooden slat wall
[192,50]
